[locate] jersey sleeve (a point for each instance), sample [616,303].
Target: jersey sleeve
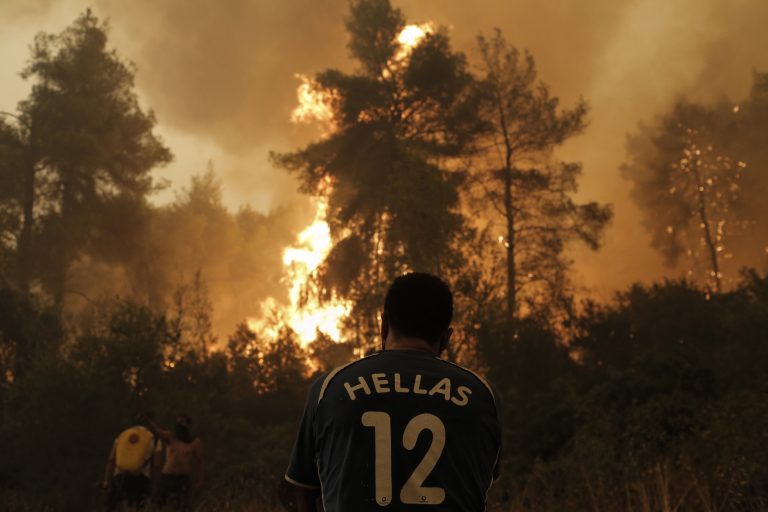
[496,469]
[302,469]
[499,416]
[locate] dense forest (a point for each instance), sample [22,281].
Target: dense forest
[428,160]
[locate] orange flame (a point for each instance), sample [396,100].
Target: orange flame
[300,261]
[410,37]
[315,104]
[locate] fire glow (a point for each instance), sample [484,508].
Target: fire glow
[410,37]
[314,103]
[307,316]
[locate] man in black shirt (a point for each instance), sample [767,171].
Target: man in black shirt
[401,429]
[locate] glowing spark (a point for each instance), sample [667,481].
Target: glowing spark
[736,109]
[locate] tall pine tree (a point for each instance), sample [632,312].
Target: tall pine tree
[400,122]
[520,182]
[85,149]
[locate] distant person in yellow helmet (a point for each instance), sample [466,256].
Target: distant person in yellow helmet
[128,474]
[183,461]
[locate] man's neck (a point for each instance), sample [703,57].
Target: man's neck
[402,343]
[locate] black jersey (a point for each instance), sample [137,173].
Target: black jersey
[398,430]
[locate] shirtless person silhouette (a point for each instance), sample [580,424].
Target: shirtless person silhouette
[183,458]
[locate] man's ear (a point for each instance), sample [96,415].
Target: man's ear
[444,339]
[384,329]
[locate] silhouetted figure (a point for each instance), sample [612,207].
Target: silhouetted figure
[400,429]
[128,473]
[183,460]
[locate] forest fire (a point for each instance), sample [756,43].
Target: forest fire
[410,37]
[306,316]
[604,237]
[314,103]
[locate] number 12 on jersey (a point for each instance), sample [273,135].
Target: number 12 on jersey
[412,492]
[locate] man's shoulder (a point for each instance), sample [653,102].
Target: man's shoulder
[321,384]
[471,375]
[384,369]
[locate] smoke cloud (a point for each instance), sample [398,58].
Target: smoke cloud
[221,78]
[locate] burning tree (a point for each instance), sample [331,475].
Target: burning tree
[518,180]
[687,178]
[393,128]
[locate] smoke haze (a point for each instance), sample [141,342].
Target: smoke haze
[221,79]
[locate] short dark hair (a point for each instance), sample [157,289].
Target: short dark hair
[419,305]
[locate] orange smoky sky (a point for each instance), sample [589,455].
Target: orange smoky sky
[221,79]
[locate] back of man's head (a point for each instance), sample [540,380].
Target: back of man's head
[419,305]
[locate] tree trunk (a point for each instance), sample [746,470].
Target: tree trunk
[62,260]
[511,268]
[707,228]
[24,252]
[509,211]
